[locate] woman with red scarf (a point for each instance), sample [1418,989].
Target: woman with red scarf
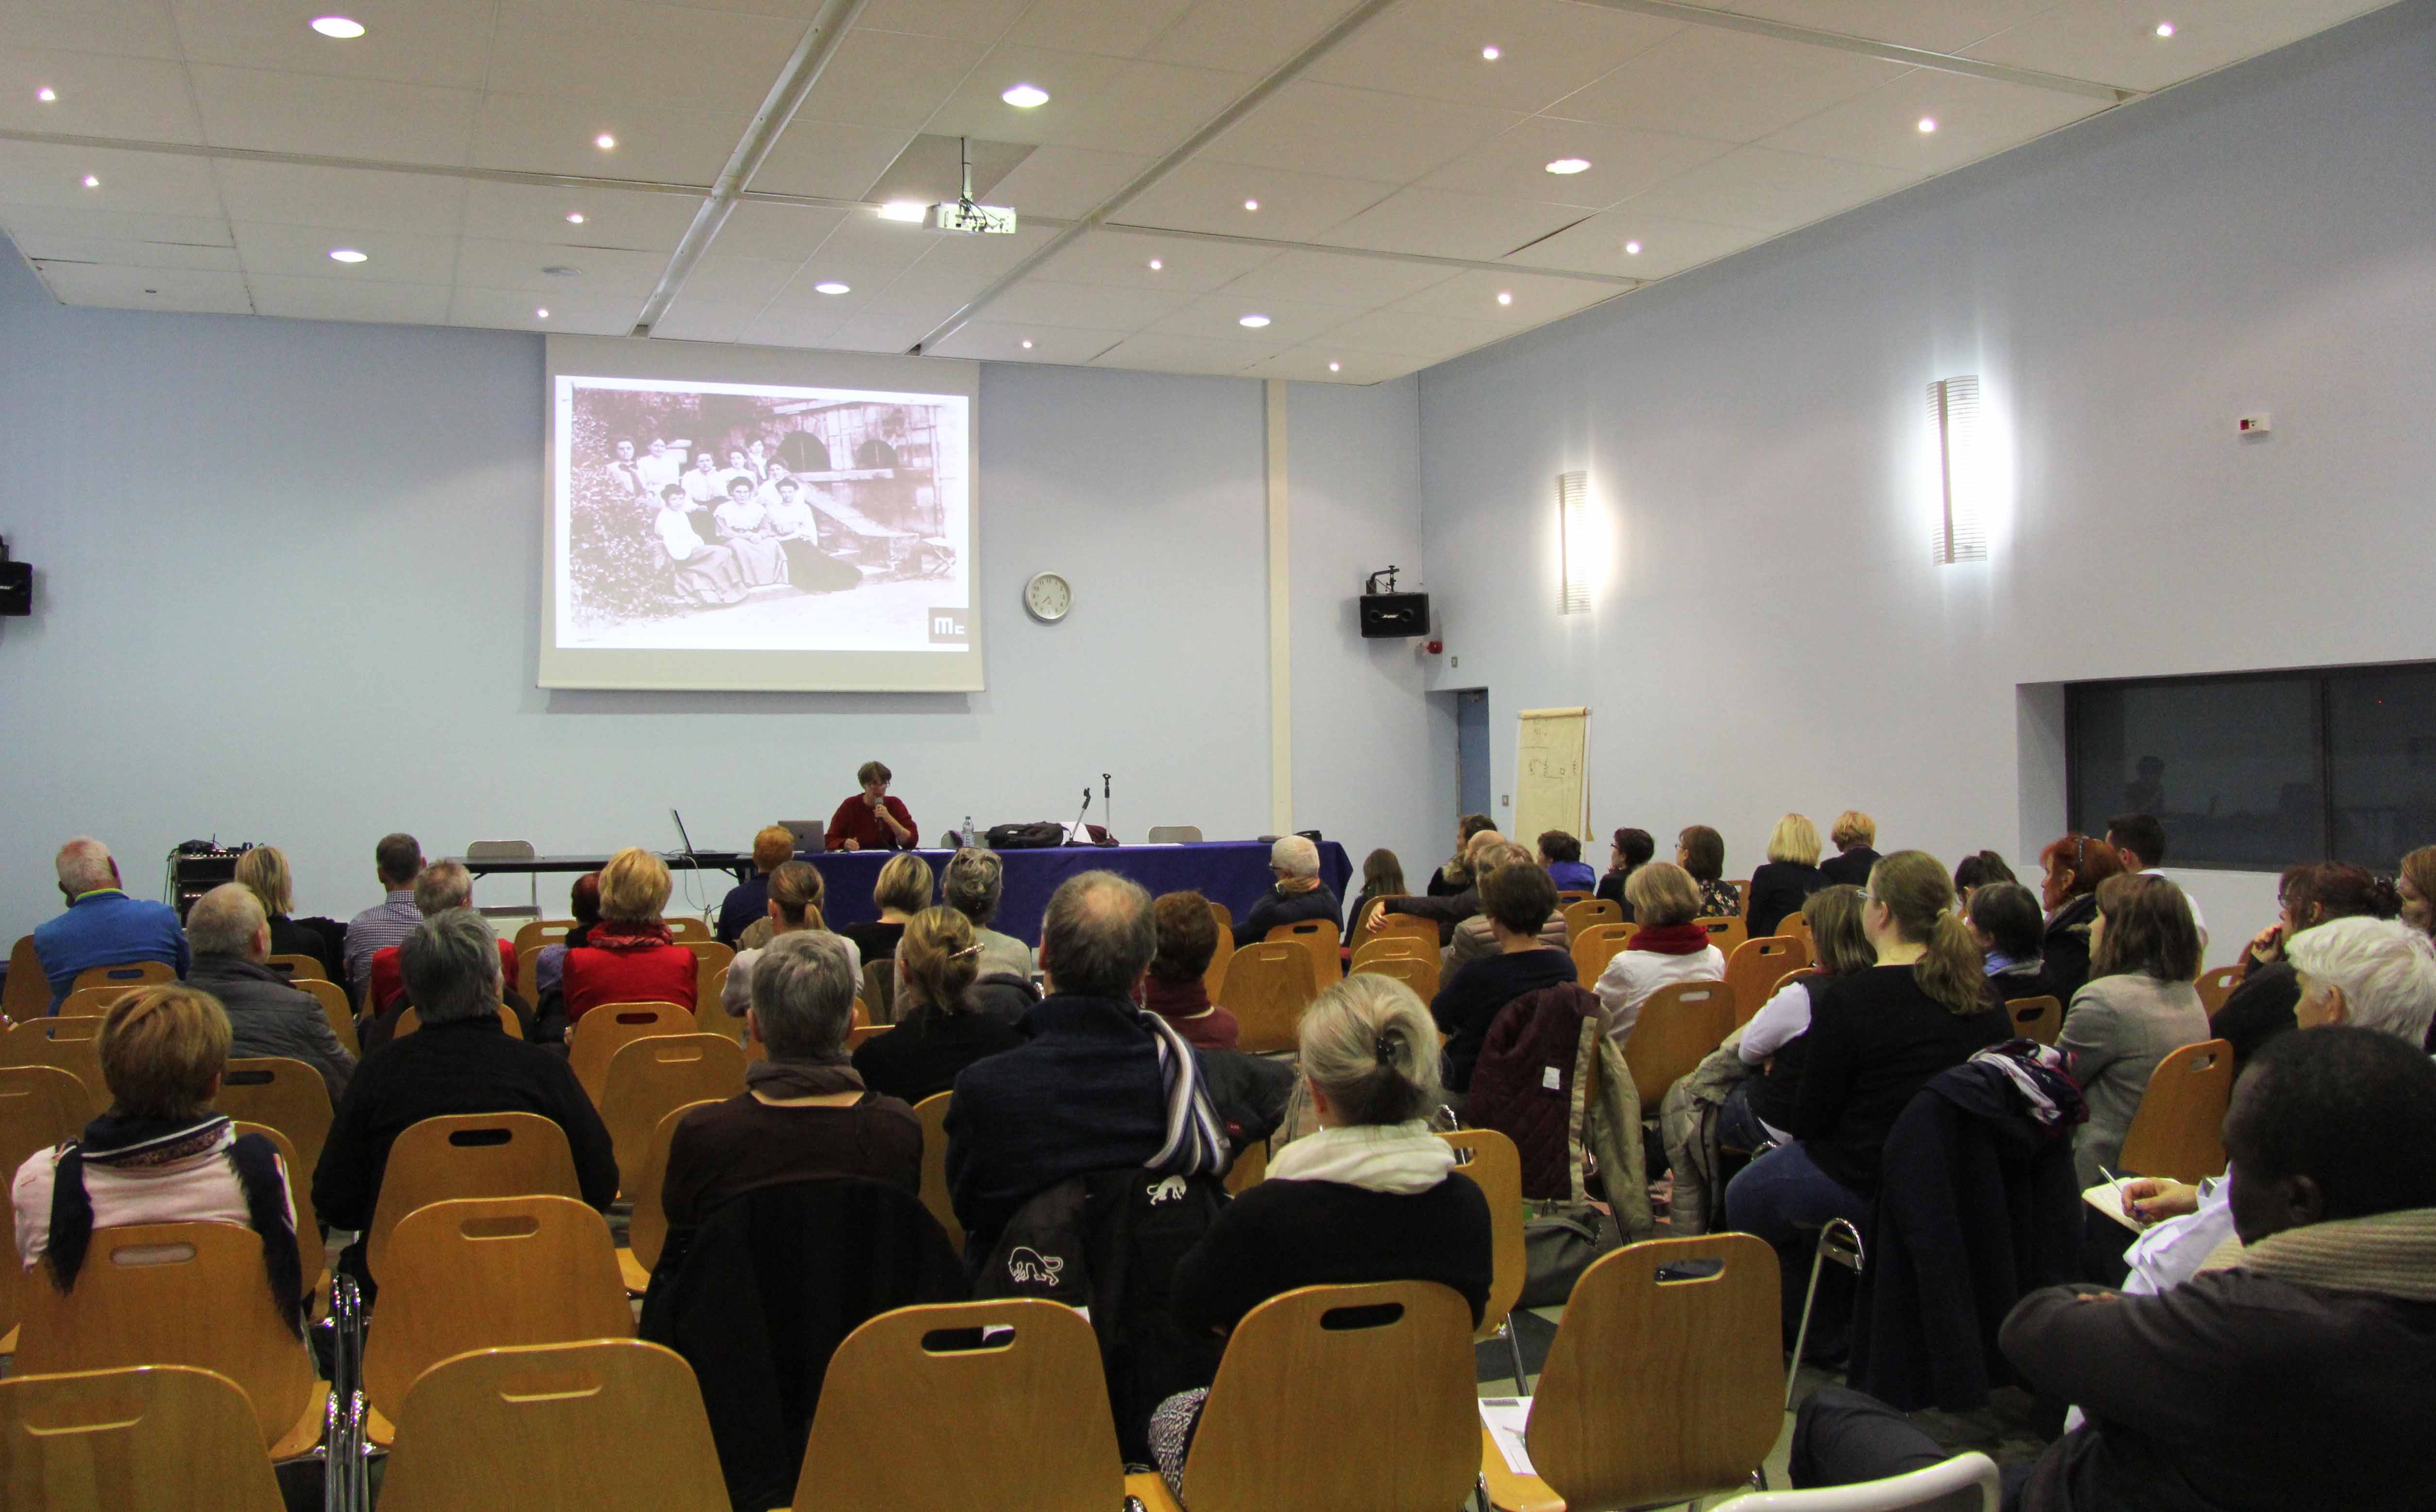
[1671,946]
[630,955]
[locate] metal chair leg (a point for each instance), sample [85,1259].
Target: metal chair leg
[1838,1237]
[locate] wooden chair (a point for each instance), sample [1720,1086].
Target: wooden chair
[27,993]
[1797,927]
[529,973]
[710,958]
[648,1230]
[92,1002]
[860,1032]
[410,1021]
[2215,987]
[1655,1392]
[1225,915]
[1371,947]
[131,974]
[148,1438]
[710,1014]
[1322,939]
[1936,1488]
[1756,966]
[611,1425]
[1677,1027]
[1250,1170]
[468,1154]
[1491,1159]
[297,968]
[1742,890]
[603,1031]
[1595,945]
[1409,926]
[2178,1134]
[1779,985]
[335,1007]
[1029,1405]
[311,1251]
[1413,972]
[878,995]
[181,1295]
[1172,835]
[688,930]
[1267,989]
[932,1111]
[2039,1019]
[487,1273]
[65,1044]
[535,934]
[649,1076]
[1357,1399]
[39,1106]
[1726,931]
[1213,977]
[1590,911]
[284,1094]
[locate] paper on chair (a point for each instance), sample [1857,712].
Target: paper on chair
[1505,1417]
[2108,1198]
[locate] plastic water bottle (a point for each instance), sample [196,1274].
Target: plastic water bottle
[972,837]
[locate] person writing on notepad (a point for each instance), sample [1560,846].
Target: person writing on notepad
[871,819]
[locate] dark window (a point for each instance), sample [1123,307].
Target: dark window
[2258,771]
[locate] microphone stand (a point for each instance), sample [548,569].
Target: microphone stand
[1108,805]
[1078,835]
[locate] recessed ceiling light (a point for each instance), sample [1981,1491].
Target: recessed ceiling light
[1489,53]
[1025,96]
[1336,367]
[1027,343]
[46,94]
[831,287]
[901,210]
[1928,124]
[91,182]
[2165,29]
[1632,249]
[346,28]
[1255,321]
[541,314]
[575,217]
[605,140]
[1251,204]
[1568,165]
[346,255]
[1504,297]
[1155,265]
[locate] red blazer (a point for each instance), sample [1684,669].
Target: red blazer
[656,973]
[854,821]
[388,978]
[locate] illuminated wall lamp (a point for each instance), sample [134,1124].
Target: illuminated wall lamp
[1574,541]
[1961,534]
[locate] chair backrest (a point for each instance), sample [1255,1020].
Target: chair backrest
[1174,835]
[1405,926]
[1267,989]
[602,1032]
[297,968]
[1939,1487]
[64,1044]
[1357,1399]
[27,991]
[409,1022]
[1029,1405]
[1659,1391]
[2039,1019]
[174,1295]
[1590,911]
[528,972]
[92,1002]
[649,1230]
[1755,967]
[2215,987]
[612,1425]
[39,1106]
[300,1194]
[1677,1027]
[688,931]
[1412,971]
[127,974]
[710,958]
[855,1037]
[932,1111]
[1322,939]
[1225,915]
[332,999]
[284,1094]
[1249,1169]
[499,851]
[649,1076]
[490,1272]
[1572,894]
[1797,927]
[1726,931]
[535,933]
[1491,1159]
[1371,946]
[1595,946]
[91,1438]
[2179,1131]
[468,1154]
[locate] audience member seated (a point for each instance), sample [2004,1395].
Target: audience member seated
[1372,1196]
[1474,940]
[1454,875]
[2073,866]
[971,883]
[102,927]
[1701,851]
[231,937]
[2010,932]
[1561,854]
[549,964]
[1382,877]
[2416,888]
[1298,895]
[2294,1377]
[1102,1086]
[1977,870]
[1631,850]
[871,819]
[1785,880]
[794,908]
[2260,1007]
[1177,989]
[1852,834]
[805,1112]
[460,1061]
[264,868]
[1517,898]
[630,955]
[2139,842]
[2138,1008]
[441,886]
[1875,1038]
[1445,910]
[940,1028]
[902,890]
[161,1155]
[749,900]
[397,861]
[1668,946]
[1759,1109]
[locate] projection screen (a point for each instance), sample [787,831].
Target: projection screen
[750,519]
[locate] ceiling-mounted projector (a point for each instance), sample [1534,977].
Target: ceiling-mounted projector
[967,219]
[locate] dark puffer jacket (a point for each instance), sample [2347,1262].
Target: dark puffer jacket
[1534,1035]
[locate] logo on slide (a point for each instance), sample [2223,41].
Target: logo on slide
[949,628]
[1024,1265]
[1171,1189]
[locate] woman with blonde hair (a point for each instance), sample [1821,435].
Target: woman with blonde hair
[902,890]
[1790,875]
[1373,1195]
[940,1029]
[792,907]
[264,871]
[1759,1107]
[1669,946]
[630,956]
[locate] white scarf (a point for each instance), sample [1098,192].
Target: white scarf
[1400,1158]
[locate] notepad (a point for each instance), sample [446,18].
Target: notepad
[2107,1198]
[1506,1418]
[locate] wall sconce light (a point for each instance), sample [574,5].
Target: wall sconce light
[1961,472]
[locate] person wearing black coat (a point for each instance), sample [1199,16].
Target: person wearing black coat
[1785,880]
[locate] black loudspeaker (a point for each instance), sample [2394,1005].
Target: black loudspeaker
[16,585]
[1388,615]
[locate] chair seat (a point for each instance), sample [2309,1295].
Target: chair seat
[299,1440]
[1509,1492]
[630,1270]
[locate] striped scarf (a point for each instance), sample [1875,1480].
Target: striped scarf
[1196,1140]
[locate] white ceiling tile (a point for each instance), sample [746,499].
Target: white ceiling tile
[1075,81]
[1536,298]
[632,220]
[1356,133]
[830,159]
[1123,259]
[414,42]
[1350,279]
[1547,49]
[537,135]
[1974,117]
[511,309]
[652,53]
[1622,163]
[692,318]
[1244,36]
[792,231]
[957,268]
[2115,41]
[144,99]
[982,21]
[881,333]
[1668,245]
[336,299]
[133,29]
[304,252]
[22,220]
[1147,108]
[147,288]
[1219,317]
[1084,307]
[1201,196]
[1159,351]
[728,278]
[1120,27]
[1442,224]
[890,78]
[1311,365]
[1939,26]
[484,263]
[1768,190]
[804,11]
[123,251]
[793,327]
[1003,341]
[1729,85]
[378,120]
[864,252]
[1066,181]
[297,195]
[1404,333]
[142,183]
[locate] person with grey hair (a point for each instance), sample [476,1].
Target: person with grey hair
[102,927]
[1103,1085]
[397,861]
[970,884]
[1298,895]
[804,1114]
[438,888]
[460,1061]
[231,937]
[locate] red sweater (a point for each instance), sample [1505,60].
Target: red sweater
[854,821]
[651,973]
[388,978]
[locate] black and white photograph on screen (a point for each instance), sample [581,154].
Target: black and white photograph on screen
[748,517]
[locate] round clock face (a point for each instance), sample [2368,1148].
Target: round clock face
[1048,598]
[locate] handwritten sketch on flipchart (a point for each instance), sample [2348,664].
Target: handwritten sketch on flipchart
[1552,785]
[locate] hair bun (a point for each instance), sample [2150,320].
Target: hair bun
[1385,1047]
